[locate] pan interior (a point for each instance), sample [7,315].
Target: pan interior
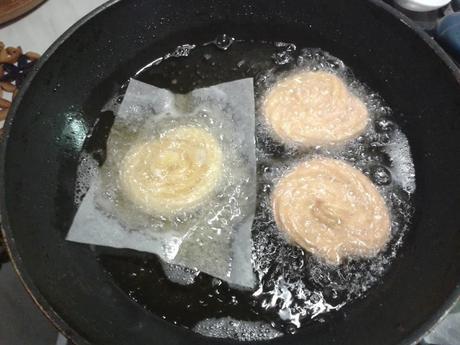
[140,275]
[62,101]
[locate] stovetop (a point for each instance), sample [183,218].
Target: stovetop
[22,323]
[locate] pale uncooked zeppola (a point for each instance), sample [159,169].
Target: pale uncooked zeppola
[332,210]
[172,173]
[314,109]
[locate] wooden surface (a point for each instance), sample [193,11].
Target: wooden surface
[11,9]
[42,26]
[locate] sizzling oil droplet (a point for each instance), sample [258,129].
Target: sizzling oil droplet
[223,41]
[381,176]
[285,53]
[56,87]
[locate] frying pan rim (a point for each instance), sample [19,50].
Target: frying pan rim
[5,228]
[40,301]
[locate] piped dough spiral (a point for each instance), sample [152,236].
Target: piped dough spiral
[332,210]
[173,173]
[314,109]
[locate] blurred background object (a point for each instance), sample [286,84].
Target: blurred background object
[422,5]
[12,9]
[456,5]
[426,13]
[448,33]
[14,66]
[42,26]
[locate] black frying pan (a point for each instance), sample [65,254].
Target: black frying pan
[88,63]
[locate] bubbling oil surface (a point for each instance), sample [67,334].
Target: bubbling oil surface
[294,288]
